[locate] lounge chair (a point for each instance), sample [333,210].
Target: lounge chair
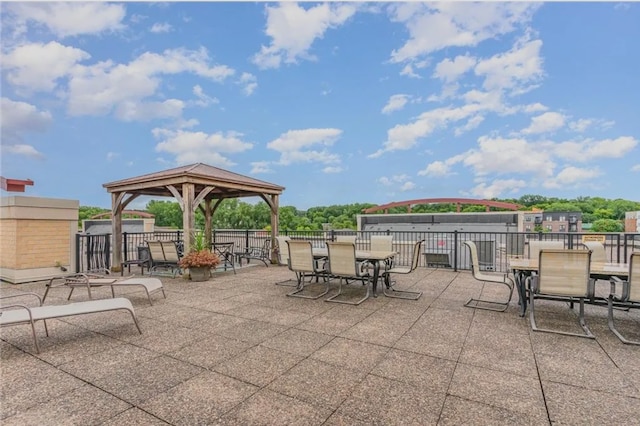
[17,314]
[163,255]
[91,280]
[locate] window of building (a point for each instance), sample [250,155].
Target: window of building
[549,228]
[528,218]
[563,228]
[527,228]
[562,218]
[549,218]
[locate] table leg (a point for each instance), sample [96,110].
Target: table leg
[520,279]
[376,272]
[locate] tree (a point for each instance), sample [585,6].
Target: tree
[167,213]
[607,225]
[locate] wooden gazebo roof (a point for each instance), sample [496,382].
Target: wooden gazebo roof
[225,184]
[196,186]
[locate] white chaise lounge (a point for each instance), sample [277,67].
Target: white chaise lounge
[17,314]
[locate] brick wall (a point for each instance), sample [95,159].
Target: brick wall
[8,235]
[42,243]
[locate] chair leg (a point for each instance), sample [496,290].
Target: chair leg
[334,299]
[497,305]
[612,325]
[583,324]
[398,294]
[300,288]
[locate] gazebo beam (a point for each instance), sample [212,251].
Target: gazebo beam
[116,228]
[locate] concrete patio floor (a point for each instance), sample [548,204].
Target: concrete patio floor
[236,351]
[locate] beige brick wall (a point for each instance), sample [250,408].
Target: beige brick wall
[42,243]
[8,234]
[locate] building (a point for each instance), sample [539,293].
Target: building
[552,221]
[632,222]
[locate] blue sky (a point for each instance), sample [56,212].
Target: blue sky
[338,102]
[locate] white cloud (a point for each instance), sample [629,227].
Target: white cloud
[146,111]
[571,177]
[407,186]
[395,103]
[37,67]
[438,25]
[545,123]
[501,156]
[295,146]
[408,69]
[68,19]
[536,107]
[589,149]
[636,168]
[21,149]
[258,167]
[249,83]
[161,27]
[436,169]
[193,147]
[18,118]
[332,169]
[293,29]
[580,125]
[112,155]
[450,70]
[497,188]
[393,180]
[516,71]
[471,124]
[204,100]
[97,89]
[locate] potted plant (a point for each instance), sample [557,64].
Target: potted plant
[200,259]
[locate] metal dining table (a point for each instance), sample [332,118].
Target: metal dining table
[523,268]
[375,257]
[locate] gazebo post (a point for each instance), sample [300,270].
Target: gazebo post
[274,226]
[188,191]
[116,229]
[208,219]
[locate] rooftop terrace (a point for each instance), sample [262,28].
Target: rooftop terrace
[236,351]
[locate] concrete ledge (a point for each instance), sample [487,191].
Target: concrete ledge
[20,276]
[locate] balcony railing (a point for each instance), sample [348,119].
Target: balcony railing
[441,249]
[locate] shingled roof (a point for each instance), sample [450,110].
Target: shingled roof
[227,184]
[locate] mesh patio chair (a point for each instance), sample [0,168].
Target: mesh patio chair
[283,258]
[536,246]
[389,284]
[303,264]
[563,275]
[502,279]
[346,238]
[344,266]
[630,297]
[163,255]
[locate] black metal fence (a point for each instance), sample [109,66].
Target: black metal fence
[440,249]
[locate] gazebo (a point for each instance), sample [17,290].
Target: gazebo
[193,186]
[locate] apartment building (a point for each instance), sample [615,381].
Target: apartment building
[632,222]
[553,221]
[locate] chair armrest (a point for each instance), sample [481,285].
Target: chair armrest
[531,282]
[21,295]
[625,289]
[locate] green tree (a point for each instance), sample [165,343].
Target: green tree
[607,225]
[167,213]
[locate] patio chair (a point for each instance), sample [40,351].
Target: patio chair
[563,275]
[18,313]
[90,280]
[536,246]
[389,284]
[630,297]
[224,251]
[383,243]
[303,264]
[502,279]
[160,260]
[283,258]
[346,238]
[344,266]
[263,254]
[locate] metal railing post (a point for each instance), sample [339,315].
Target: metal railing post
[455,250]
[107,249]
[125,252]
[78,250]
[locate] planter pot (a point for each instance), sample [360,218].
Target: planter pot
[200,274]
